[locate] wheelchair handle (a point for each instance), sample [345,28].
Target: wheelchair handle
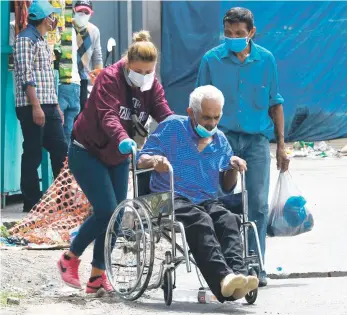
[243,180]
[244,196]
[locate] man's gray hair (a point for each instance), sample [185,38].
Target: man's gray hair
[206,92]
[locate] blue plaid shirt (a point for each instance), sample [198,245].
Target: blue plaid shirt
[33,66]
[196,174]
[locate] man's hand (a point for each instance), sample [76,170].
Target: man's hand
[93,74]
[282,159]
[238,164]
[160,164]
[38,116]
[61,114]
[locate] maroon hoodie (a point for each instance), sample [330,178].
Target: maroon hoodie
[105,121]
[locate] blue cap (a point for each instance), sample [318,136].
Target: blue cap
[40,9]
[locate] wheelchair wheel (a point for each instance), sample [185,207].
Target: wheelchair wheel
[168,281]
[129,249]
[251,297]
[168,287]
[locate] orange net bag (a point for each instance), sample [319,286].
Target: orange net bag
[63,208]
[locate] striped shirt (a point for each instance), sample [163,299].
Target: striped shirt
[196,174]
[89,55]
[33,66]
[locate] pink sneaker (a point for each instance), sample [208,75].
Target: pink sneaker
[96,283]
[68,267]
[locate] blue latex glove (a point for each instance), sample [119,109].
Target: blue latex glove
[125,147]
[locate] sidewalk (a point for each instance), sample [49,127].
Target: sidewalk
[322,251]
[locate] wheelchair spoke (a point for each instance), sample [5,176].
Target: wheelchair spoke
[129,264]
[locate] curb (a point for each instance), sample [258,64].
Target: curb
[303,275]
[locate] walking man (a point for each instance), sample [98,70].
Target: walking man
[246,73]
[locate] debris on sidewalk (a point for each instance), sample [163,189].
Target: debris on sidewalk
[12,241]
[313,150]
[13,301]
[4,232]
[344,150]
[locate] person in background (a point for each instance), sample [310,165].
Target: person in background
[246,73]
[123,96]
[88,46]
[37,106]
[69,78]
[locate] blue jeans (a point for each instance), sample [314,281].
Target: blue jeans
[69,102]
[255,149]
[105,187]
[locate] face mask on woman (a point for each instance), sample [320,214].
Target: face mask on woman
[144,82]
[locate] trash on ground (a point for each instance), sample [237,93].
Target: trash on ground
[313,150]
[13,301]
[344,150]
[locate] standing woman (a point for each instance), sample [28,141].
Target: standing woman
[123,97]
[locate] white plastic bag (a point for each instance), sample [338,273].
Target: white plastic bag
[288,215]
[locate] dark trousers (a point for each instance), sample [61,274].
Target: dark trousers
[213,236]
[51,137]
[83,93]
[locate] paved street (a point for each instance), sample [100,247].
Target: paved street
[323,183]
[282,297]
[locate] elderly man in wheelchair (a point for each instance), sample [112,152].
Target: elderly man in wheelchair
[203,162]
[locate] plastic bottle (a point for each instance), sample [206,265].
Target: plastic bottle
[206,297]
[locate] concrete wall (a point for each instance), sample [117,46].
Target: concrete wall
[151,14]
[119,19]
[111,17]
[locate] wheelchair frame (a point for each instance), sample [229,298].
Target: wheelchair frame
[152,226]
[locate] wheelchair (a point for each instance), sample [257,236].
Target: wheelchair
[136,227]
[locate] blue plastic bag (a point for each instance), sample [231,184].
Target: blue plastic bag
[288,215]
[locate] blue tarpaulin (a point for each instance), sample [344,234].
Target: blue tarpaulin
[308,40]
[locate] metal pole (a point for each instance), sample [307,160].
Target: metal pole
[5,51]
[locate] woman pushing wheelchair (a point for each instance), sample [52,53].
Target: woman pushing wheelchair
[123,97]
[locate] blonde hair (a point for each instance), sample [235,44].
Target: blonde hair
[142,49]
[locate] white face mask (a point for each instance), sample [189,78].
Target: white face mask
[144,82]
[81,19]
